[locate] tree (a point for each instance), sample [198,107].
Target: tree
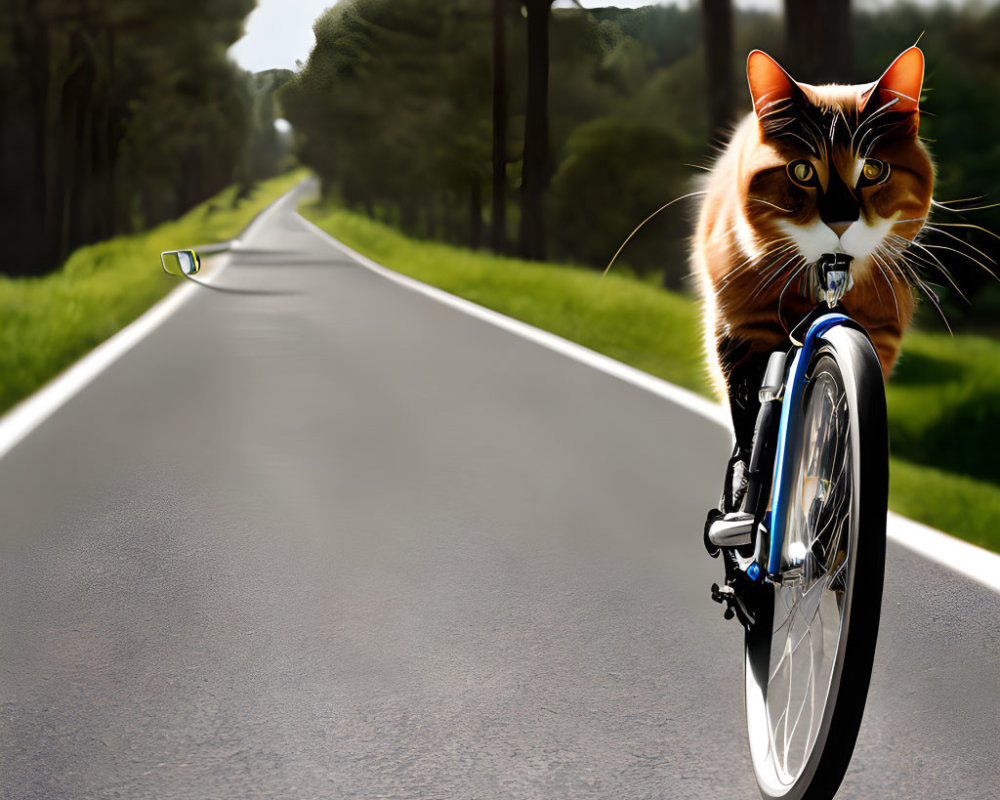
[265,147]
[535,171]
[818,40]
[717,34]
[87,88]
[498,223]
[391,112]
[616,172]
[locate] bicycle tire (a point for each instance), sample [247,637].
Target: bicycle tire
[810,763]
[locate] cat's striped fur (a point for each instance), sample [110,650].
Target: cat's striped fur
[813,170]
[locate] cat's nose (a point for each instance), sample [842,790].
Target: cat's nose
[838,228]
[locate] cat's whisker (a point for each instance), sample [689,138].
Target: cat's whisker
[772,205]
[751,263]
[786,242]
[927,247]
[769,257]
[935,264]
[664,207]
[781,296]
[928,292]
[930,261]
[947,204]
[884,264]
[968,225]
[903,250]
[892,290]
[966,256]
[950,235]
[759,289]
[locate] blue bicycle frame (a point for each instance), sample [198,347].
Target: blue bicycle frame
[768,550]
[762,523]
[816,478]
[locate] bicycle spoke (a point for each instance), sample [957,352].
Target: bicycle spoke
[802,685]
[807,612]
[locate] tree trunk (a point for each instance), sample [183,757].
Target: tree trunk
[818,40]
[408,216]
[476,213]
[717,35]
[498,222]
[535,164]
[106,143]
[27,249]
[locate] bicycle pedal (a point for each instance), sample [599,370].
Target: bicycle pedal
[723,594]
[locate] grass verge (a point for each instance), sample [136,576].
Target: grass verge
[52,321]
[944,399]
[653,330]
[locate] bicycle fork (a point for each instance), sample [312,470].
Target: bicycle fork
[751,538]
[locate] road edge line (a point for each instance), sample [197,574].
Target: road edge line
[965,558]
[677,394]
[33,410]
[27,415]
[977,563]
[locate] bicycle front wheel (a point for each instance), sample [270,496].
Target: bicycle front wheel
[809,654]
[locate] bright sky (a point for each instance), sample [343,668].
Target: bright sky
[279,32]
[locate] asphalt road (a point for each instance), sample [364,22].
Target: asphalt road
[334,539]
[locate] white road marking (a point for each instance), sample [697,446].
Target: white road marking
[31,412]
[961,556]
[967,559]
[676,394]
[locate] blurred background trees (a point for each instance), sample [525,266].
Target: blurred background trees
[118,114]
[394,111]
[450,121]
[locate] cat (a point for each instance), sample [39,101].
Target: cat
[811,170]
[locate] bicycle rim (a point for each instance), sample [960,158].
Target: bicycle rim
[797,651]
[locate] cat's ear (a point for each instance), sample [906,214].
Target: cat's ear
[899,87]
[770,85]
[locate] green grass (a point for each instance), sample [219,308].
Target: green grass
[653,330]
[962,506]
[944,403]
[944,399]
[50,322]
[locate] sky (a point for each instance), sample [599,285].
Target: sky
[279,32]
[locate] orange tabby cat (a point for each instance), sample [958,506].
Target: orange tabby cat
[813,170]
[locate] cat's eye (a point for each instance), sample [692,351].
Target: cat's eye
[801,173]
[873,171]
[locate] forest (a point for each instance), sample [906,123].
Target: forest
[540,131]
[420,114]
[118,114]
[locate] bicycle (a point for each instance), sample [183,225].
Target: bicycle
[804,553]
